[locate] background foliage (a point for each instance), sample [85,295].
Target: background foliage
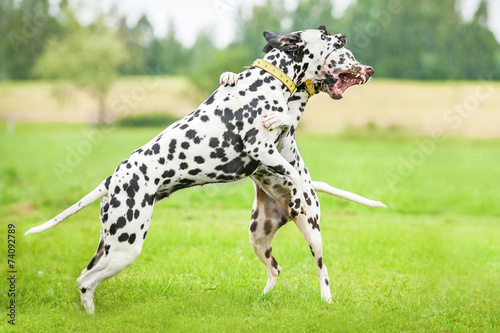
[426,39]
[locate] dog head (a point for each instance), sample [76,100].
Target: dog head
[309,50]
[343,71]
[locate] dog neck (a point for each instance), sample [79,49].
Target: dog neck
[284,61]
[290,64]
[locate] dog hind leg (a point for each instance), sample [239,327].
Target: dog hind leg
[120,244]
[100,248]
[268,215]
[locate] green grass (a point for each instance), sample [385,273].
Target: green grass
[428,263]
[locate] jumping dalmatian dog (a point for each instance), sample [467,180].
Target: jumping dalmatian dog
[269,211]
[221,141]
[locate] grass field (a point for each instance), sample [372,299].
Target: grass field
[428,263]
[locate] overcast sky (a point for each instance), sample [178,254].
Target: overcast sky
[191,16]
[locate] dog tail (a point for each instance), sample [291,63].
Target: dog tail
[96,194]
[325,188]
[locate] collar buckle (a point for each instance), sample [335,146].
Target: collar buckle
[310,87]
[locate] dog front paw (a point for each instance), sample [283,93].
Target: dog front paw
[228,78]
[276,119]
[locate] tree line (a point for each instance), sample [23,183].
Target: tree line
[424,40]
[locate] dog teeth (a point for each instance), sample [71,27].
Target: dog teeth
[358,78]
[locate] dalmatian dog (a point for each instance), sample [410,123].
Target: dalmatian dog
[269,211]
[223,140]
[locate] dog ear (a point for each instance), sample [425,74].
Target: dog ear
[323,28]
[267,48]
[283,42]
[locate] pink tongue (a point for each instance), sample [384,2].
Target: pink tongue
[336,89]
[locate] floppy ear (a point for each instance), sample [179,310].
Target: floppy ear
[283,42]
[267,48]
[323,28]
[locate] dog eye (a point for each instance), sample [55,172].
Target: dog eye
[323,37]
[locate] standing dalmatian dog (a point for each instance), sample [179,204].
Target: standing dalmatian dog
[269,209]
[221,141]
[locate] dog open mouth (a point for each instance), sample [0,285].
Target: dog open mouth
[344,80]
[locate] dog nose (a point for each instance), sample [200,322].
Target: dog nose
[369,70]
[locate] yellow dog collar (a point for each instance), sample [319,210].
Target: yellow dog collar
[280,75]
[277,73]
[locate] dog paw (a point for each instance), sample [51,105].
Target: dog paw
[275,120]
[228,78]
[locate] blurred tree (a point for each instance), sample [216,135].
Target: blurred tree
[149,54]
[86,56]
[6,12]
[200,56]
[310,14]
[479,49]
[25,27]
[268,16]
[424,39]
[166,55]
[144,31]
[202,48]
[136,39]
[206,74]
